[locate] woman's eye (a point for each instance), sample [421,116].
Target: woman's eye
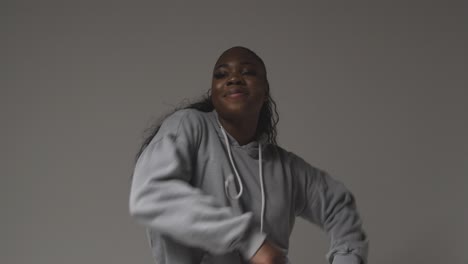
[249,72]
[219,75]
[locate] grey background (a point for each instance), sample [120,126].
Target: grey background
[374,93]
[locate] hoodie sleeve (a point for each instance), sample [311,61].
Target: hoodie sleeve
[326,202]
[162,199]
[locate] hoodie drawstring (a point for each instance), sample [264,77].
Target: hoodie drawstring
[241,188]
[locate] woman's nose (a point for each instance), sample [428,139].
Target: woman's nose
[235,79]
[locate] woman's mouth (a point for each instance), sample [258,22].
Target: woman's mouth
[236,95]
[236,92]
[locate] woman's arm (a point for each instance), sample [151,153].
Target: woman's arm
[162,199]
[327,203]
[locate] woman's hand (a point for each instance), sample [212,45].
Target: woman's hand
[268,254]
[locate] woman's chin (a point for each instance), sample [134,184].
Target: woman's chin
[235,112]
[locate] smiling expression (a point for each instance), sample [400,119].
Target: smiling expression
[239,86]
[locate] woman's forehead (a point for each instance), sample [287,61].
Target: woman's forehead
[239,56]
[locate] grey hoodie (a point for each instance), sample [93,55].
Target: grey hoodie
[184,191]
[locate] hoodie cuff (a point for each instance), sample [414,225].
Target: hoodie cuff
[346,259]
[251,244]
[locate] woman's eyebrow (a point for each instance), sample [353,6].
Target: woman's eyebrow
[226,65]
[221,66]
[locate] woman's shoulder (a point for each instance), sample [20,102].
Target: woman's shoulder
[290,158]
[186,121]
[283,153]
[190,114]
[186,116]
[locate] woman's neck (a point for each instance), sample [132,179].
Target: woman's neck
[243,130]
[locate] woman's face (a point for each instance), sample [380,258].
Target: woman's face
[239,87]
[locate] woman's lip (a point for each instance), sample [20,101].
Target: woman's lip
[236,95]
[236,91]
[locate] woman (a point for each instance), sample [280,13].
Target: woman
[212,186]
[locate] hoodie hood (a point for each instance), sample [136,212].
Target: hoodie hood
[250,148]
